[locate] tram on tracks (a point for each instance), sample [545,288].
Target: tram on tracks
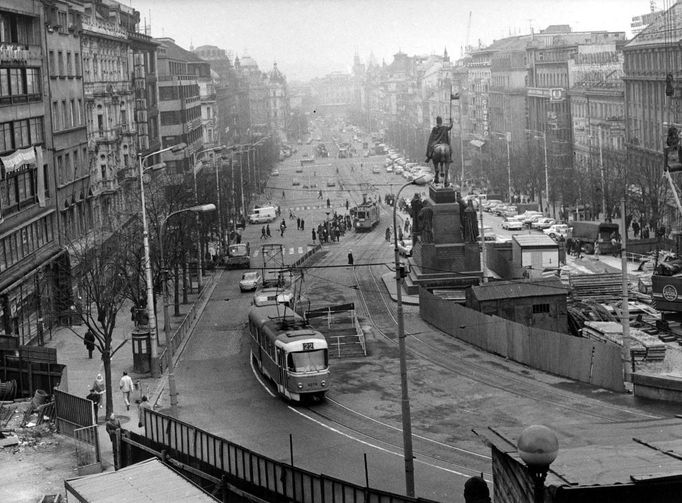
[289,352]
[365,216]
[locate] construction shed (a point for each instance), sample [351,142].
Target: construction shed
[535,252]
[150,481]
[539,303]
[624,462]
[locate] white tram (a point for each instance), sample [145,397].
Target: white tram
[289,352]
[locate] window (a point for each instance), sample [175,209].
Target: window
[78,172]
[60,170]
[36,129]
[52,66]
[69,64]
[32,81]
[68,167]
[21,134]
[74,114]
[79,111]
[60,61]
[77,63]
[55,116]
[6,137]
[540,308]
[63,118]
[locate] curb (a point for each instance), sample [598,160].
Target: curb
[163,381]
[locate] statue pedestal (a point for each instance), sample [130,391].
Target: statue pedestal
[444,259]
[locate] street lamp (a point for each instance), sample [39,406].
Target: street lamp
[154,363]
[538,447]
[543,135]
[200,208]
[405,400]
[195,170]
[507,137]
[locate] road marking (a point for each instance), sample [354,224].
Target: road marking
[300,249]
[291,251]
[369,444]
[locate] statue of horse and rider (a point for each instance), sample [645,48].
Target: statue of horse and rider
[438,150]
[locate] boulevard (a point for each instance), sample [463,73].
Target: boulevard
[453,387]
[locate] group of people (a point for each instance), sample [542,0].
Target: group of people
[333,229]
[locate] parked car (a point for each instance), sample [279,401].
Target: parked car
[499,209]
[275,172]
[512,224]
[490,204]
[376,170]
[556,230]
[405,248]
[250,281]
[271,296]
[543,223]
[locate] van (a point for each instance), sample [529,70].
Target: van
[263,215]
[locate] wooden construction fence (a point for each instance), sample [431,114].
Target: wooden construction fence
[221,463]
[72,412]
[32,368]
[580,359]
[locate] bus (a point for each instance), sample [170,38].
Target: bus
[290,353]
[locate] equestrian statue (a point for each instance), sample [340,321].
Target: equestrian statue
[438,150]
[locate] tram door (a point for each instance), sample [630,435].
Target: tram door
[282,365]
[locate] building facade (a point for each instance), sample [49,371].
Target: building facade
[34,287]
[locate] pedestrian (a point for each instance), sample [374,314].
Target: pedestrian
[100,388]
[89,341]
[578,248]
[282,226]
[388,234]
[144,404]
[319,195]
[302,224]
[262,233]
[635,228]
[291,214]
[347,204]
[329,204]
[350,257]
[298,223]
[126,386]
[314,236]
[267,230]
[113,425]
[94,398]
[476,490]
[284,196]
[596,249]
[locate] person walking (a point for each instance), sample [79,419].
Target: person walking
[350,257]
[298,223]
[100,388]
[262,233]
[347,204]
[302,224]
[94,398]
[596,249]
[282,226]
[144,404]
[113,426]
[89,341]
[329,204]
[126,386]
[314,236]
[267,230]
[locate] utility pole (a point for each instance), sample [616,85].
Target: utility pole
[603,181]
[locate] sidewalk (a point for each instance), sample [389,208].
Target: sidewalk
[81,371]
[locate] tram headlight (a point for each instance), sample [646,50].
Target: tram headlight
[300,385]
[323,383]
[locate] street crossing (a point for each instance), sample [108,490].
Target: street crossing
[294,250]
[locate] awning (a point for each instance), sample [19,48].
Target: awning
[17,159]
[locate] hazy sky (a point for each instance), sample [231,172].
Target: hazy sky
[310,38]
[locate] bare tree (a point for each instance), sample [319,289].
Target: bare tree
[103,288]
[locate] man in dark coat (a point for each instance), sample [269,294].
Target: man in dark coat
[89,341]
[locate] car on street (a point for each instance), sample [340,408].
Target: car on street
[275,172]
[543,223]
[376,170]
[490,204]
[295,182]
[398,170]
[512,224]
[405,248]
[250,281]
[556,230]
[270,296]
[331,182]
[389,168]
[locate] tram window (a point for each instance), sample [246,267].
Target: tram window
[307,361]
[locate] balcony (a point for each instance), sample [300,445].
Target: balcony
[107,29]
[106,135]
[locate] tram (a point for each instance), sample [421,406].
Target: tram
[289,352]
[365,216]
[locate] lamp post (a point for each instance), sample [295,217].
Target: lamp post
[543,135]
[195,170]
[405,400]
[507,137]
[154,357]
[538,447]
[200,208]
